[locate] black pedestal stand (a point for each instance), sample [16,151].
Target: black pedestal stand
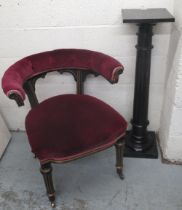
[139,141]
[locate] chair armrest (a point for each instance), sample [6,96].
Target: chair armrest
[115,74]
[17,98]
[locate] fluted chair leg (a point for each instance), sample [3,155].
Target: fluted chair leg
[119,157]
[46,171]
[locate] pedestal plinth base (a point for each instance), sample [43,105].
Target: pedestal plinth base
[151,153]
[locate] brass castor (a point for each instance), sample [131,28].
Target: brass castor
[53,205]
[121,176]
[120,173]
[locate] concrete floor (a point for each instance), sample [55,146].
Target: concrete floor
[88,184]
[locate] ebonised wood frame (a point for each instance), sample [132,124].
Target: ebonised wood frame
[80,76]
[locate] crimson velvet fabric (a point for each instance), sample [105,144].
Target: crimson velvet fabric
[66,127]
[33,65]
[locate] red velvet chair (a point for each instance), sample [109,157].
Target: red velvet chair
[66,127]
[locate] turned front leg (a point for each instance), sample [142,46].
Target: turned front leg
[119,157]
[46,171]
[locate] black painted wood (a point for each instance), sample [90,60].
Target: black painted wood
[151,153]
[140,142]
[147,15]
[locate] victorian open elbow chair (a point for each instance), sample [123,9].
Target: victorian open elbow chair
[66,127]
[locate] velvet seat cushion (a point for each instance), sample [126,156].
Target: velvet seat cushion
[69,126]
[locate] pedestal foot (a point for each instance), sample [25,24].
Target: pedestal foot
[151,152]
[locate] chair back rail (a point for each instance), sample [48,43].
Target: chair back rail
[20,78]
[79,76]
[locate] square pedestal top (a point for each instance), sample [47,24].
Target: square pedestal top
[147,15]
